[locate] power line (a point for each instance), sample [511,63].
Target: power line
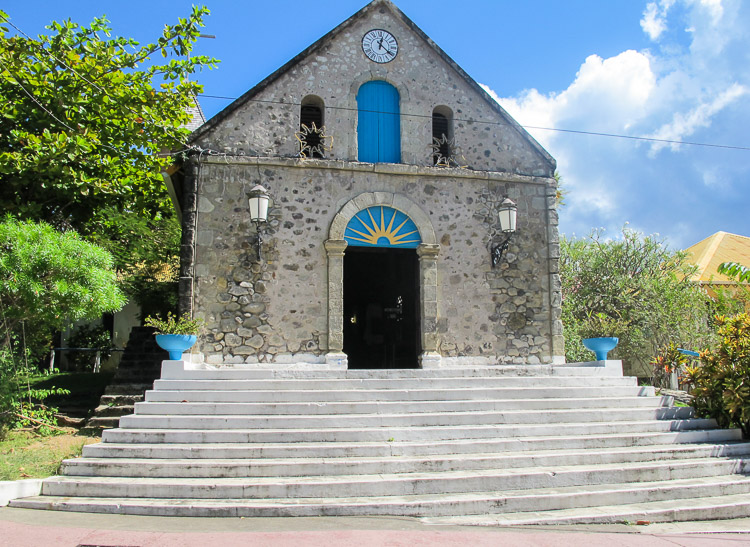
[487,122]
[76,73]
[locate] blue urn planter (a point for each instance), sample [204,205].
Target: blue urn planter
[601,346]
[176,344]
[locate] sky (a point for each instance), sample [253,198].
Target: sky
[676,70]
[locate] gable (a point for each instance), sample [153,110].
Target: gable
[262,122]
[721,247]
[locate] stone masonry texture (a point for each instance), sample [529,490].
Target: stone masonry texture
[276,310]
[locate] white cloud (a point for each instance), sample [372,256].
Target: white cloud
[693,84]
[684,124]
[653,23]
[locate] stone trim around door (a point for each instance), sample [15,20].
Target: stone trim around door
[427,252]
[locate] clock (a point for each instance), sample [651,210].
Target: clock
[380,46]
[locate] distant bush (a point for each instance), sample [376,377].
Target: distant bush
[721,384]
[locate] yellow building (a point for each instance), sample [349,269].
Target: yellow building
[709,253]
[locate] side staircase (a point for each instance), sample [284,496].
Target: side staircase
[503,445]
[139,367]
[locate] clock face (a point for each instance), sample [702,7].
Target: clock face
[380,46]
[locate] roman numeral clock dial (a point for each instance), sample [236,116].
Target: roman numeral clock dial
[380,46]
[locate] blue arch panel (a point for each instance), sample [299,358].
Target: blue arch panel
[382,226]
[379,123]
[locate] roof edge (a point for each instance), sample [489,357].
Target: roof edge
[263,84]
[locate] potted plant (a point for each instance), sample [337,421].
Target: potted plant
[600,334]
[175,334]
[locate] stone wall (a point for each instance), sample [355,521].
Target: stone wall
[277,309]
[264,123]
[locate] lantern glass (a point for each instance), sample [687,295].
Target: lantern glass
[258,204]
[507,213]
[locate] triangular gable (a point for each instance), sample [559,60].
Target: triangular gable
[239,102]
[712,251]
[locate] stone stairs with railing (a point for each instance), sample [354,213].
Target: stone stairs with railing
[492,445]
[139,366]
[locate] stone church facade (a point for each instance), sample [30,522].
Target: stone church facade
[376,253]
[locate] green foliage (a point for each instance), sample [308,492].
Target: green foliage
[146,253]
[85,118]
[666,361]
[49,279]
[640,285]
[599,324]
[737,271]
[721,384]
[21,404]
[174,325]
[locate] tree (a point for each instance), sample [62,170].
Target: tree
[86,123]
[85,119]
[733,269]
[640,285]
[50,279]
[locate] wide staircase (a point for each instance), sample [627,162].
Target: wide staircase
[494,445]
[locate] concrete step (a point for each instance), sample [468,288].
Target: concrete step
[299,467]
[187,407]
[390,484]
[296,384]
[103,411]
[127,388]
[415,394]
[423,433]
[124,399]
[384,448]
[693,508]
[721,497]
[103,422]
[248,372]
[294,421]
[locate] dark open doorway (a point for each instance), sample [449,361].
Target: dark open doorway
[381,315]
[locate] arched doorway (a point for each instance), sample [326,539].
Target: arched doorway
[382,244]
[381,290]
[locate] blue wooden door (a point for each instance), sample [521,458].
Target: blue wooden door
[379,123]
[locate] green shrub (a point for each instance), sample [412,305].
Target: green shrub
[638,285]
[174,325]
[669,359]
[721,384]
[22,405]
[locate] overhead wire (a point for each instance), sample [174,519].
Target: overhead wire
[405,115]
[82,77]
[506,124]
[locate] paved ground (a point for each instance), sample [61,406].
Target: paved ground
[22,527]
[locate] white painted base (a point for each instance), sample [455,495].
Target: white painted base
[430,360]
[337,361]
[11,490]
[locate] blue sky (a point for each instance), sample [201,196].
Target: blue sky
[671,69]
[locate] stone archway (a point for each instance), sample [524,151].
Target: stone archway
[427,252]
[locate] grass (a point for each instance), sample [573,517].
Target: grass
[24,454]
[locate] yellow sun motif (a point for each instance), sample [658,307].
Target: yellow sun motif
[378,229]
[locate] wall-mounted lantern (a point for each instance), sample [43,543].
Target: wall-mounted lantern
[507,214]
[259,211]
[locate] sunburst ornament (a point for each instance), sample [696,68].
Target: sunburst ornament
[313,142]
[445,153]
[382,226]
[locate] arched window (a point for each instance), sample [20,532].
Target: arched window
[442,133]
[379,123]
[311,113]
